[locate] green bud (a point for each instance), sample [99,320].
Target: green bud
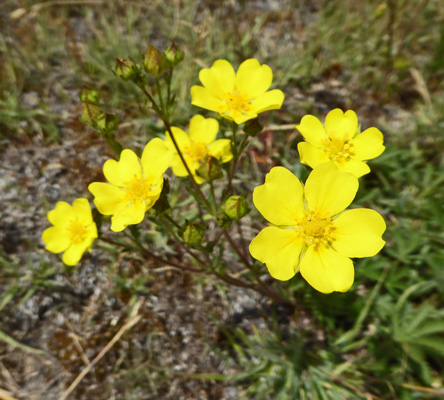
[253,127]
[91,113]
[193,233]
[210,169]
[174,54]
[155,62]
[126,70]
[108,123]
[90,95]
[236,207]
[223,220]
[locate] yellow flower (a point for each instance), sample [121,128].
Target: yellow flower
[197,145]
[309,232]
[135,184]
[237,96]
[339,142]
[73,232]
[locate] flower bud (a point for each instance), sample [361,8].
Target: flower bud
[193,233]
[90,96]
[155,62]
[126,70]
[108,122]
[91,113]
[174,54]
[210,169]
[223,220]
[236,207]
[253,127]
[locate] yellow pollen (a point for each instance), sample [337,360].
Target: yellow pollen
[196,151]
[315,230]
[76,232]
[338,149]
[138,190]
[236,103]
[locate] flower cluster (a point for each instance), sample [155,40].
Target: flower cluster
[309,230]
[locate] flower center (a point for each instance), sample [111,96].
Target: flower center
[77,233]
[338,149]
[235,103]
[138,190]
[196,151]
[315,230]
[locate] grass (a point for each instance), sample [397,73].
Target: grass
[382,340]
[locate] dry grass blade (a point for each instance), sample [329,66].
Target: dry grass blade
[133,320]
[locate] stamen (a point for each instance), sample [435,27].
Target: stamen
[338,149]
[315,230]
[76,232]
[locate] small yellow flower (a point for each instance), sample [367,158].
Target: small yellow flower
[309,230]
[237,96]
[339,142]
[135,184]
[73,232]
[201,142]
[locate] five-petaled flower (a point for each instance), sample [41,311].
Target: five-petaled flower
[73,230]
[200,143]
[237,96]
[339,142]
[310,232]
[135,184]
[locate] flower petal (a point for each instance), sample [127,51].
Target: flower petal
[125,170]
[271,100]
[202,97]
[55,239]
[280,199]
[340,125]
[355,167]
[358,233]
[239,117]
[156,157]
[329,191]
[130,215]
[279,249]
[61,215]
[219,79]
[203,130]
[369,144]
[107,198]
[83,211]
[221,149]
[74,253]
[310,155]
[253,79]
[326,270]
[312,130]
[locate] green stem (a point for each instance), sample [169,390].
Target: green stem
[242,146]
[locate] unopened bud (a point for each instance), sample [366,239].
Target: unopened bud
[193,233]
[210,169]
[126,70]
[155,62]
[91,113]
[90,95]
[236,207]
[108,123]
[223,220]
[253,127]
[174,54]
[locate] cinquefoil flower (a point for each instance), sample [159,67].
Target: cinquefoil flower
[200,143]
[237,96]
[135,184]
[339,142]
[309,232]
[73,230]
